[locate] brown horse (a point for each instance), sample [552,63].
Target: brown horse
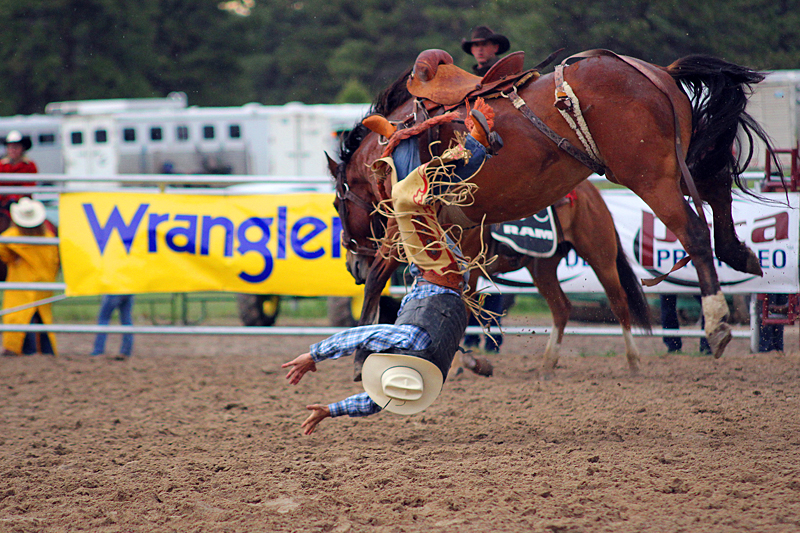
[642,132]
[588,227]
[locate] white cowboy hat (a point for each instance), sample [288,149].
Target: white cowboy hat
[401,384]
[16,137]
[28,213]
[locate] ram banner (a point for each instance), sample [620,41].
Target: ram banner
[770,228]
[140,242]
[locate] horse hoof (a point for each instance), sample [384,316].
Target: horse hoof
[483,367]
[719,339]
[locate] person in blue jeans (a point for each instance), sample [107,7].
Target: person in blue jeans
[669,320]
[496,304]
[123,302]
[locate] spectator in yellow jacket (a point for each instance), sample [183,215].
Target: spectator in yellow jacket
[28,263]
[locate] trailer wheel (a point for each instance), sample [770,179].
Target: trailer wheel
[258,309]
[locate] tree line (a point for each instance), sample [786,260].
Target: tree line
[322,51]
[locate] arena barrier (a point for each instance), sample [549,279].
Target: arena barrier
[771,229]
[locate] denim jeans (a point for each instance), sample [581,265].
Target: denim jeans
[123,302]
[37,342]
[494,303]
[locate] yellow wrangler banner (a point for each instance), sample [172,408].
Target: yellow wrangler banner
[123,243]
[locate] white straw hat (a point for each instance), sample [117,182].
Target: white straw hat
[28,213]
[401,384]
[15,136]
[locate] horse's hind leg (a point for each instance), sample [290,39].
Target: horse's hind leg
[727,245]
[667,202]
[544,275]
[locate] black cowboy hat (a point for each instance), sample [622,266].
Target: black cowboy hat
[16,137]
[484,33]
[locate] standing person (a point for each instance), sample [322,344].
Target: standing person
[123,302]
[495,304]
[669,320]
[485,45]
[28,263]
[16,161]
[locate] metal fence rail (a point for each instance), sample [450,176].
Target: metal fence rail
[59,183]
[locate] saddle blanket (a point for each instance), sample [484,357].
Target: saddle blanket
[535,236]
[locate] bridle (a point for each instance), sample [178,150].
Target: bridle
[345,195]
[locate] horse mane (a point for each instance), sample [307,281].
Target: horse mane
[384,104]
[393,96]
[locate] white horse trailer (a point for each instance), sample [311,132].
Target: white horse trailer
[775,105]
[155,135]
[251,139]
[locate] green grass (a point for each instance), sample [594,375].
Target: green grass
[194,308]
[529,304]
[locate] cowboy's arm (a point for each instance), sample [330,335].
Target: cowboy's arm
[356,405]
[377,338]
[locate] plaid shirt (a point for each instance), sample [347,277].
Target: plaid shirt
[356,405]
[380,337]
[377,338]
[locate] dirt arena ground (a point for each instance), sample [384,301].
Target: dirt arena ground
[202,435]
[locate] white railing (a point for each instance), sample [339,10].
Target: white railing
[233,184]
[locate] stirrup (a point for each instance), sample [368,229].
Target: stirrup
[489,139]
[495,143]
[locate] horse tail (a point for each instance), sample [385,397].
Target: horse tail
[637,301]
[718,92]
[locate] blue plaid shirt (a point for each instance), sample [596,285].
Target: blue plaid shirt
[377,338]
[356,405]
[380,337]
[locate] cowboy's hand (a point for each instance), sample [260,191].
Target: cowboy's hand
[319,413]
[300,365]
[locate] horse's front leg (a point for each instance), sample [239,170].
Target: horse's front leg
[544,274]
[669,205]
[379,273]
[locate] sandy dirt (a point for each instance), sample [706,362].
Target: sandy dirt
[202,434]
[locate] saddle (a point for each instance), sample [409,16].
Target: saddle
[437,79]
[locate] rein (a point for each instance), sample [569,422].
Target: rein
[345,195]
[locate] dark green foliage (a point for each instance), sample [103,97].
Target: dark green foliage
[320,50]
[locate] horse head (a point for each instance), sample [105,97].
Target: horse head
[357,193]
[355,202]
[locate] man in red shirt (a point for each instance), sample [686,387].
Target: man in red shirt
[16,161]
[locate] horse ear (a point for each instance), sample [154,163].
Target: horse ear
[333,166]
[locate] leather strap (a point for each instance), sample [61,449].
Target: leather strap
[560,141]
[655,281]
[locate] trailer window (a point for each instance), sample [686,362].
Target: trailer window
[156,134]
[100,136]
[129,135]
[208,132]
[47,138]
[183,133]
[76,137]
[235,131]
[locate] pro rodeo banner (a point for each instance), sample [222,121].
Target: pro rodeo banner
[768,228]
[140,242]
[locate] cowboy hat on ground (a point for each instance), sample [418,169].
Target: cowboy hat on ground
[16,137]
[401,384]
[28,213]
[484,33]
